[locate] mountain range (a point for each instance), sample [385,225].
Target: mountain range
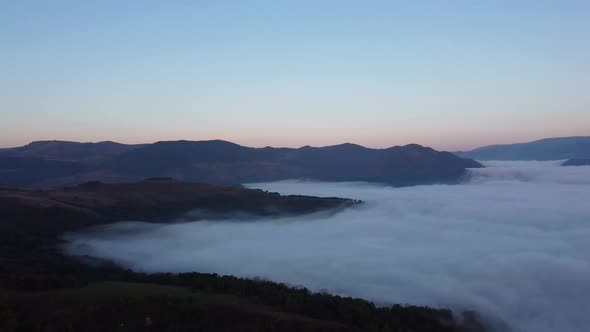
[559,148]
[61,163]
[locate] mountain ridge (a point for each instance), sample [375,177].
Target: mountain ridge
[68,150]
[56,163]
[553,148]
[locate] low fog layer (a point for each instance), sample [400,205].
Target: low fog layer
[512,243]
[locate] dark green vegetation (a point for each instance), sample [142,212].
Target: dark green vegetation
[208,302]
[41,289]
[56,163]
[544,149]
[132,306]
[576,162]
[154,199]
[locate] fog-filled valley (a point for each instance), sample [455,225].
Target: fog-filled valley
[511,243]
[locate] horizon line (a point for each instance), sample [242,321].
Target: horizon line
[281,147]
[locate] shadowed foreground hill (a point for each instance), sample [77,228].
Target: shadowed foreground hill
[159,199]
[228,163]
[41,289]
[33,221]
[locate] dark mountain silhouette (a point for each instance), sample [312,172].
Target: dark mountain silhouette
[68,151]
[576,162]
[226,163]
[28,171]
[544,149]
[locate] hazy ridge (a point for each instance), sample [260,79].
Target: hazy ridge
[559,148]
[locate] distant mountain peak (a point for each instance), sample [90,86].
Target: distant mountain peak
[557,148]
[68,150]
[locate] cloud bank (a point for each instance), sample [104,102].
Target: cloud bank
[512,243]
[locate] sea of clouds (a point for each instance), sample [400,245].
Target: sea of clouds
[512,242]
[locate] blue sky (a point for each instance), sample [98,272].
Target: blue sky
[447,74]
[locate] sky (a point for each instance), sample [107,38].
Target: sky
[452,75]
